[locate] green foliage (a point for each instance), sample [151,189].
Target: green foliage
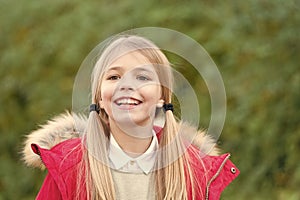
[255,44]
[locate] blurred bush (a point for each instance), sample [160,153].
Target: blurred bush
[254,43]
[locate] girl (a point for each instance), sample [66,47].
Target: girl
[118,153]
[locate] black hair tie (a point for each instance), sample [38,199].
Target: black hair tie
[94,107]
[168,106]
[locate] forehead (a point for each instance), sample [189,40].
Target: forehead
[131,61]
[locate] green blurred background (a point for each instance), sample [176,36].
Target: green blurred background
[255,44]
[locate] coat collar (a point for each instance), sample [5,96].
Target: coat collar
[70,125]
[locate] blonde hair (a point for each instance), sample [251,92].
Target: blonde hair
[173,172]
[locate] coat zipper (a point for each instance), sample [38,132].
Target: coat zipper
[215,176]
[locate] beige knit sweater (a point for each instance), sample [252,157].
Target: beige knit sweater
[134,186]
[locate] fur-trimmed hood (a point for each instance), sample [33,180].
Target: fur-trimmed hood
[70,125]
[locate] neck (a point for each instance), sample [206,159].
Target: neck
[134,140]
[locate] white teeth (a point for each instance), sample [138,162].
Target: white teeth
[127,101]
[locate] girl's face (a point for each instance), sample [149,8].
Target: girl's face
[130,90]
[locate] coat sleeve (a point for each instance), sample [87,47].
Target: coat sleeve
[49,190]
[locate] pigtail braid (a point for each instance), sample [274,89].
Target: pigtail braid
[174,172]
[99,182]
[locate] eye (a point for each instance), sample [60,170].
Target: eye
[113,77]
[143,77]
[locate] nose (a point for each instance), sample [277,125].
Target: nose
[126,87]
[126,84]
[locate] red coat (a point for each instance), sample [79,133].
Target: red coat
[60,182]
[61,155]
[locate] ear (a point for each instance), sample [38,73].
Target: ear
[160,103]
[101,104]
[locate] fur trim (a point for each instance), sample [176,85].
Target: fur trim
[199,138]
[59,129]
[71,125]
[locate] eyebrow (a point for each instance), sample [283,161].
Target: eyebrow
[114,68]
[117,68]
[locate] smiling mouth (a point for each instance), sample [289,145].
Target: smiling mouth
[127,102]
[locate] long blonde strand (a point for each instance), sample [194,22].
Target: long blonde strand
[171,180]
[99,180]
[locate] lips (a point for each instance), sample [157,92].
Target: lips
[127,101]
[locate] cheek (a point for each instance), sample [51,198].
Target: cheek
[106,94]
[152,93]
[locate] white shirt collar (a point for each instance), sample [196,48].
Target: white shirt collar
[119,160]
